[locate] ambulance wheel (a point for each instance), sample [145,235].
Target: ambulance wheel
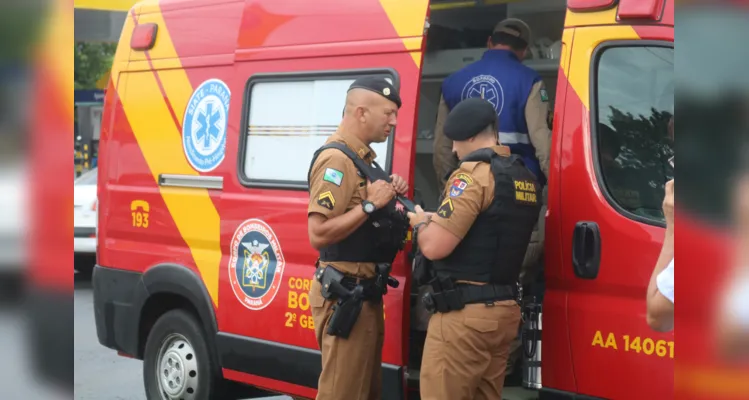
[177,364]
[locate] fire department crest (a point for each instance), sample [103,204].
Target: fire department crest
[256,265]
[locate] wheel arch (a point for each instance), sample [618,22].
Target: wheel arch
[169,286]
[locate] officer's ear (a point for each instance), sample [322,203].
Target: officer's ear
[361,112]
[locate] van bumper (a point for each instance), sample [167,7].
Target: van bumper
[118,299]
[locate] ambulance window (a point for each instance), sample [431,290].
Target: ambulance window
[633,105]
[289,117]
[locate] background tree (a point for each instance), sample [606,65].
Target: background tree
[92,61]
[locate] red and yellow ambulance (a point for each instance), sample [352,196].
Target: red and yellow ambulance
[215,108]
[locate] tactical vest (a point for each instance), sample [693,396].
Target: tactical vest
[504,81]
[377,240]
[494,247]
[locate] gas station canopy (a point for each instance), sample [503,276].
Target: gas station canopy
[100,20]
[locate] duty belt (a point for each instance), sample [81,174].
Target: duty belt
[326,275]
[448,296]
[349,293]
[485,293]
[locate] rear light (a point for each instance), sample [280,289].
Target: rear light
[590,5]
[144,36]
[640,9]
[95,205]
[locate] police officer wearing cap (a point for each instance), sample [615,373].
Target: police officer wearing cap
[350,224]
[472,249]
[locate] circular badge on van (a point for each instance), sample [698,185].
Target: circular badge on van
[486,87]
[256,264]
[204,125]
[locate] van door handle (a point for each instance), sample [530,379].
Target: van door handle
[586,250]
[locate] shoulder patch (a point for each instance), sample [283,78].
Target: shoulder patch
[326,200]
[544,95]
[446,208]
[333,176]
[460,183]
[525,192]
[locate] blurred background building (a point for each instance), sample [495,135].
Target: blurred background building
[98,24]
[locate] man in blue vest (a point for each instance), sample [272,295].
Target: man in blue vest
[517,93]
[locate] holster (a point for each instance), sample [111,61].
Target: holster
[345,313]
[330,282]
[444,298]
[350,296]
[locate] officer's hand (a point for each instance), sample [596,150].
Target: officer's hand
[399,184]
[668,204]
[419,216]
[380,193]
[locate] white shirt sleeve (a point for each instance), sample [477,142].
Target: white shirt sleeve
[665,281]
[738,300]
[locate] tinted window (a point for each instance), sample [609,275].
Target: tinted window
[633,108]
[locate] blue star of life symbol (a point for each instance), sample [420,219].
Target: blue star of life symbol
[205,124]
[206,131]
[486,87]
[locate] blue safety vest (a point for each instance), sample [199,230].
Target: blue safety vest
[504,81]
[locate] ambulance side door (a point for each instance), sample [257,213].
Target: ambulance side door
[614,165]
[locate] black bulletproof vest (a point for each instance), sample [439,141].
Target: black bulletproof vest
[377,240]
[494,248]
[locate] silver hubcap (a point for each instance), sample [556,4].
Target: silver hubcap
[177,371]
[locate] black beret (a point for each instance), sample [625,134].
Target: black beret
[380,86]
[468,118]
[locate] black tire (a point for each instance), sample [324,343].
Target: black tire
[181,322]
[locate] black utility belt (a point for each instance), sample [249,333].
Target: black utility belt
[456,297]
[326,274]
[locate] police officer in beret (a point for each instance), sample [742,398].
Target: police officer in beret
[475,244]
[346,216]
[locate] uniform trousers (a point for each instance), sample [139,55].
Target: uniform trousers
[465,354]
[351,367]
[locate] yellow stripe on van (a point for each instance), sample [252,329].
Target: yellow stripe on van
[105,5]
[160,141]
[572,19]
[122,54]
[586,41]
[408,18]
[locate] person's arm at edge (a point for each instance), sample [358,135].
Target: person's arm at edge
[660,311]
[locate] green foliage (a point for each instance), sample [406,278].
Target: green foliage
[22,24]
[92,60]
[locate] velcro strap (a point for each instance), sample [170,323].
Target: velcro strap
[485,293]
